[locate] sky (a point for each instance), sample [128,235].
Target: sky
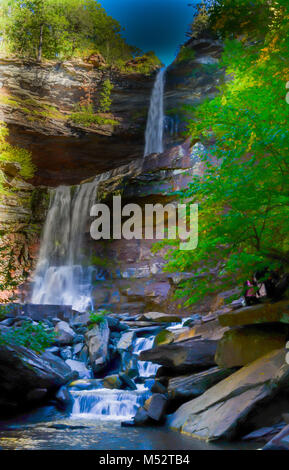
[158,25]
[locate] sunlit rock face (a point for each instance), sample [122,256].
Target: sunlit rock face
[37,101]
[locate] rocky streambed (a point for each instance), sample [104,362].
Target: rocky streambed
[153,371]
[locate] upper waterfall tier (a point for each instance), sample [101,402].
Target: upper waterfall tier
[155,123]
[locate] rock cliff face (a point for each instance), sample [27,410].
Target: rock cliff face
[37,101]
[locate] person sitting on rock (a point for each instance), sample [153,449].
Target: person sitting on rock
[274,281]
[251,292]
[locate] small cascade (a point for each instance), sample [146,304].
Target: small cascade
[108,404]
[61,276]
[155,123]
[145,369]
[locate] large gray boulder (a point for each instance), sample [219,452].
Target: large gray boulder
[257,314]
[184,356]
[155,406]
[80,368]
[126,342]
[221,411]
[97,341]
[279,442]
[64,334]
[194,385]
[22,371]
[160,317]
[241,346]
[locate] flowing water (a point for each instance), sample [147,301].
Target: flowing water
[155,123]
[115,405]
[61,276]
[145,369]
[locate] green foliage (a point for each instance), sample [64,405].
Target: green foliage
[86,116]
[96,318]
[61,29]
[9,153]
[35,337]
[105,96]
[243,196]
[143,64]
[186,54]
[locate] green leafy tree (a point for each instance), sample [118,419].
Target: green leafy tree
[243,195]
[61,29]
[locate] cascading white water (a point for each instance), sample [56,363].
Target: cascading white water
[155,123]
[115,404]
[61,277]
[145,369]
[108,404]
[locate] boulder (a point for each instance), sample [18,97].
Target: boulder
[279,442]
[36,395]
[241,346]
[64,334]
[97,340]
[194,385]
[66,353]
[159,387]
[129,364]
[127,382]
[126,342]
[156,406]
[141,418]
[64,398]
[164,337]
[86,384]
[160,317]
[184,356]
[264,434]
[222,410]
[112,382]
[116,325]
[80,368]
[261,313]
[22,371]
[77,348]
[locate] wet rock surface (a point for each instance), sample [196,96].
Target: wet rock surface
[241,346]
[184,356]
[221,411]
[24,373]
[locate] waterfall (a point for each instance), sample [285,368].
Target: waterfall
[155,123]
[116,404]
[108,404]
[61,276]
[145,369]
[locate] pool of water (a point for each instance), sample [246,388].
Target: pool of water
[32,433]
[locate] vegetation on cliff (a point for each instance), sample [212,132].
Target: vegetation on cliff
[62,29]
[11,154]
[243,198]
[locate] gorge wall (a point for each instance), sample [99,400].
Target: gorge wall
[37,102]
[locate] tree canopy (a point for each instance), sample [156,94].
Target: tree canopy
[61,29]
[244,194]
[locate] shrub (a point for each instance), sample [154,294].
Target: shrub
[96,318]
[105,97]
[86,116]
[35,337]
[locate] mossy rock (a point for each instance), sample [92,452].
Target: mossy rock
[164,337]
[242,346]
